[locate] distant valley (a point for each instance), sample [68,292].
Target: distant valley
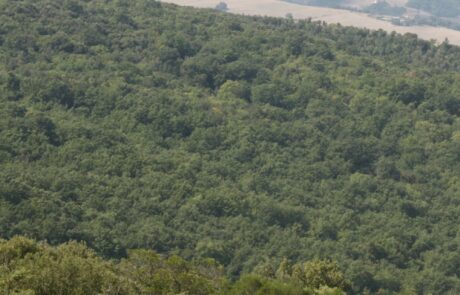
[280,8]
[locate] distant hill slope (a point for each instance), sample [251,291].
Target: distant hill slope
[427,29]
[413,13]
[441,8]
[446,8]
[136,124]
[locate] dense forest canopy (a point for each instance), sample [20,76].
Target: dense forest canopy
[136,124]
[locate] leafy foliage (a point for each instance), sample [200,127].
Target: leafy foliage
[142,125]
[28,267]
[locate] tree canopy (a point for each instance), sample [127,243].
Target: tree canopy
[143,125]
[28,267]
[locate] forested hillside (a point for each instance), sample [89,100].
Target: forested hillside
[134,124]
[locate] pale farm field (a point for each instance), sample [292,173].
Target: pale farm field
[347,18]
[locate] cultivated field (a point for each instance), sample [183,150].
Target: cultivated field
[329,15]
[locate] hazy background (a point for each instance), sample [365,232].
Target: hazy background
[421,17]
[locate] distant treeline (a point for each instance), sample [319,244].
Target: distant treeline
[324,3]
